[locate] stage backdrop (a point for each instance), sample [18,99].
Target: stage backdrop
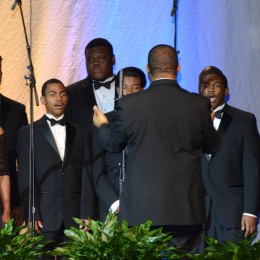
[224,33]
[59,30]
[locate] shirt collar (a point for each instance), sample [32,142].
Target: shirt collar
[219,107]
[51,116]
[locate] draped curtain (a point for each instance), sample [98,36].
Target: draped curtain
[223,33]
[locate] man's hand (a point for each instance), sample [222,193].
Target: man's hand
[99,118]
[17,214]
[248,223]
[37,226]
[85,228]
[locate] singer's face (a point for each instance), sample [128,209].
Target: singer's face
[212,86]
[131,85]
[55,99]
[99,63]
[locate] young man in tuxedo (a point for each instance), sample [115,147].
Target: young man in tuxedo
[134,80]
[165,129]
[63,184]
[98,88]
[232,175]
[12,118]
[108,166]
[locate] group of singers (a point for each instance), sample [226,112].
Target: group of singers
[191,161]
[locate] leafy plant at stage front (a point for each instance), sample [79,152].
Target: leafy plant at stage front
[15,244]
[109,240]
[244,250]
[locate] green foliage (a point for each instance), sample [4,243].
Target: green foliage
[244,250]
[112,241]
[14,245]
[109,240]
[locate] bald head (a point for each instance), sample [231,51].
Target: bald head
[162,61]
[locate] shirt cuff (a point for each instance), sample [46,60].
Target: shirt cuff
[114,206]
[251,215]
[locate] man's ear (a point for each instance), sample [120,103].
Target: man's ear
[113,59]
[226,91]
[43,100]
[179,67]
[147,69]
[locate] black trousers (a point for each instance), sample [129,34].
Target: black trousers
[221,233]
[185,236]
[57,237]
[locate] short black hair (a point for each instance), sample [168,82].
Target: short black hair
[163,58]
[100,42]
[212,70]
[133,72]
[50,81]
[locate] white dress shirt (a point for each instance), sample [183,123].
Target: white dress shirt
[216,121]
[105,98]
[59,134]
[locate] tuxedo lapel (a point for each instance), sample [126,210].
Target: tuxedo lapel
[46,131]
[70,133]
[223,127]
[224,124]
[88,92]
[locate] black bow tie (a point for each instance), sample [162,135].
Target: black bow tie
[98,84]
[62,121]
[218,114]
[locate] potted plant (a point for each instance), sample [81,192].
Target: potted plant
[244,250]
[110,240]
[15,244]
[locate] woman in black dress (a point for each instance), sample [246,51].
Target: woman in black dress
[4,183]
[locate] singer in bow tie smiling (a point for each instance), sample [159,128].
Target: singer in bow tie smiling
[63,188]
[232,176]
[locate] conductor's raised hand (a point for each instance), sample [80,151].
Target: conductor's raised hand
[99,118]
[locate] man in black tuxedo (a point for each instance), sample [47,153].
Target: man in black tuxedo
[12,118]
[97,89]
[165,129]
[232,175]
[63,184]
[99,86]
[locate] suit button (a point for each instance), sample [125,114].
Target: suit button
[62,174]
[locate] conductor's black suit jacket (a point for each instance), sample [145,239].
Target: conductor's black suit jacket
[63,189]
[165,129]
[232,175]
[13,117]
